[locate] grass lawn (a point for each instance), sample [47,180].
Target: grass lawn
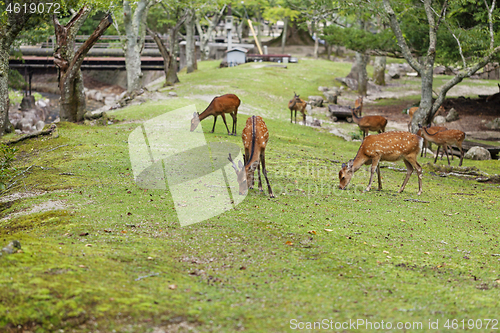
[114,257]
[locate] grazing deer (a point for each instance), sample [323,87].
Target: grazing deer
[367,123]
[445,138]
[412,110]
[390,146]
[220,105]
[255,136]
[297,104]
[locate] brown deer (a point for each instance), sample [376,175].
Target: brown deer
[494,97]
[445,138]
[390,146]
[431,130]
[255,136]
[412,110]
[367,123]
[220,105]
[297,104]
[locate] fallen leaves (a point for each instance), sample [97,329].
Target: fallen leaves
[427,253]
[288,243]
[386,252]
[328,230]
[172,286]
[312,232]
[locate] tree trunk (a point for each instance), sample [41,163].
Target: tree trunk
[379,70]
[8,32]
[135,28]
[68,62]
[163,50]
[284,33]
[190,42]
[316,39]
[358,72]
[207,36]
[172,78]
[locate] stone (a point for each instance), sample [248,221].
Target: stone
[494,124]
[110,100]
[12,247]
[348,82]
[322,88]
[316,123]
[452,115]
[331,96]
[439,120]
[39,125]
[316,101]
[172,94]
[478,153]
[393,73]
[98,96]
[28,102]
[439,70]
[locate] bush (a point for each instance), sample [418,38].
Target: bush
[7,156]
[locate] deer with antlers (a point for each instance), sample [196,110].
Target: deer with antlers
[297,104]
[255,136]
[367,123]
[390,146]
[219,106]
[445,138]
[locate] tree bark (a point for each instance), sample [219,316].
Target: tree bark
[172,77]
[358,72]
[207,36]
[135,30]
[68,62]
[379,70]
[165,54]
[190,42]
[8,33]
[314,29]
[284,33]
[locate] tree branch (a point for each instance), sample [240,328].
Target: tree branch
[393,22]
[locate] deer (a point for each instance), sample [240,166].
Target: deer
[297,104]
[431,130]
[444,138]
[494,97]
[219,106]
[412,110]
[367,123]
[255,136]
[389,146]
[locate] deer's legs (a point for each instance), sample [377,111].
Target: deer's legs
[291,116]
[461,155]
[372,172]
[379,179]
[304,116]
[234,115]
[264,171]
[215,121]
[445,148]
[295,116]
[437,153]
[260,181]
[225,123]
[409,171]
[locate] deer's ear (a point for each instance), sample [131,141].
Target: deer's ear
[350,164]
[343,165]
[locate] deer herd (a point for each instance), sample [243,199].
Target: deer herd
[384,146]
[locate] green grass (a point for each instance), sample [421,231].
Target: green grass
[110,259]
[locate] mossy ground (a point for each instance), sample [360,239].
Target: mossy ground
[116,257]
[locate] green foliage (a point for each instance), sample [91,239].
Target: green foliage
[16,80]
[359,39]
[7,156]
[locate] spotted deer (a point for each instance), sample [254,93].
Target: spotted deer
[297,104]
[390,146]
[255,136]
[219,106]
[431,130]
[367,123]
[445,138]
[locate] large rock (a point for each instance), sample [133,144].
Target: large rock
[439,120]
[393,73]
[331,96]
[316,101]
[452,115]
[478,153]
[348,82]
[494,124]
